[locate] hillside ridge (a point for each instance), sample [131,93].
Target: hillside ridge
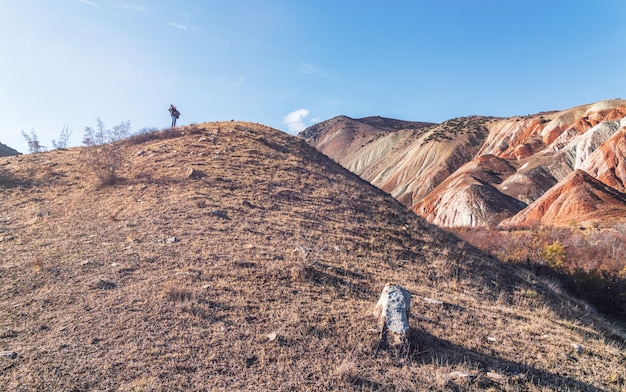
[232,256]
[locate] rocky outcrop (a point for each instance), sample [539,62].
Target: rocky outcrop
[580,199]
[608,162]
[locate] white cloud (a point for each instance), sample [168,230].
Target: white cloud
[177,26]
[295,121]
[132,7]
[91,3]
[310,69]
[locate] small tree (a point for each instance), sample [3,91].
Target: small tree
[554,254]
[103,153]
[34,146]
[64,138]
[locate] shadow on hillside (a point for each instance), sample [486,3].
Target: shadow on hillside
[432,350]
[7,181]
[340,280]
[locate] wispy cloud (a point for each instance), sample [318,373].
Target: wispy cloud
[177,26]
[295,120]
[91,3]
[310,69]
[132,7]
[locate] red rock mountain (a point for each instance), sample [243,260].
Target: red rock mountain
[483,171]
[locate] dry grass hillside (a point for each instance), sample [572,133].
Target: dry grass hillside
[231,256]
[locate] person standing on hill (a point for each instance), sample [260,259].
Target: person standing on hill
[175,114]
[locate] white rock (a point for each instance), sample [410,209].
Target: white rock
[462,375]
[393,308]
[8,354]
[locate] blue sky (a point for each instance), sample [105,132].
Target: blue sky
[291,63]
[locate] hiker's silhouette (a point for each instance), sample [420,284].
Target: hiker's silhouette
[175,114]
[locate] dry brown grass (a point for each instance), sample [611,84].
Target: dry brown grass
[279,258]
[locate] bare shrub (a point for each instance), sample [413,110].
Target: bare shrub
[34,146]
[304,262]
[103,154]
[64,138]
[348,370]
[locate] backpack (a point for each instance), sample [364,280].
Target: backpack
[176,113]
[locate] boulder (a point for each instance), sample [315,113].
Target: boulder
[393,309]
[194,173]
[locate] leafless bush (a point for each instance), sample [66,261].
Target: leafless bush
[103,154]
[34,145]
[64,138]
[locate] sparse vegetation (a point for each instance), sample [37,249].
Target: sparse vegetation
[94,295]
[102,153]
[588,262]
[32,141]
[450,129]
[64,139]
[554,254]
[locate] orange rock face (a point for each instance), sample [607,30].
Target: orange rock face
[545,168]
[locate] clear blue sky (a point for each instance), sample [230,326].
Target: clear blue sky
[291,63]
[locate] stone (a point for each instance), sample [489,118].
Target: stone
[194,173]
[462,375]
[495,376]
[104,284]
[393,310]
[8,354]
[220,214]
[172,240]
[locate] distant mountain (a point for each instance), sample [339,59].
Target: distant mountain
[6,151]
[577,198]
[482,171]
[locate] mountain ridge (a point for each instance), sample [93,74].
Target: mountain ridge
[6,151]
[542,149]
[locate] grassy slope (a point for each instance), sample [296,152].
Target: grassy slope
[93,297]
